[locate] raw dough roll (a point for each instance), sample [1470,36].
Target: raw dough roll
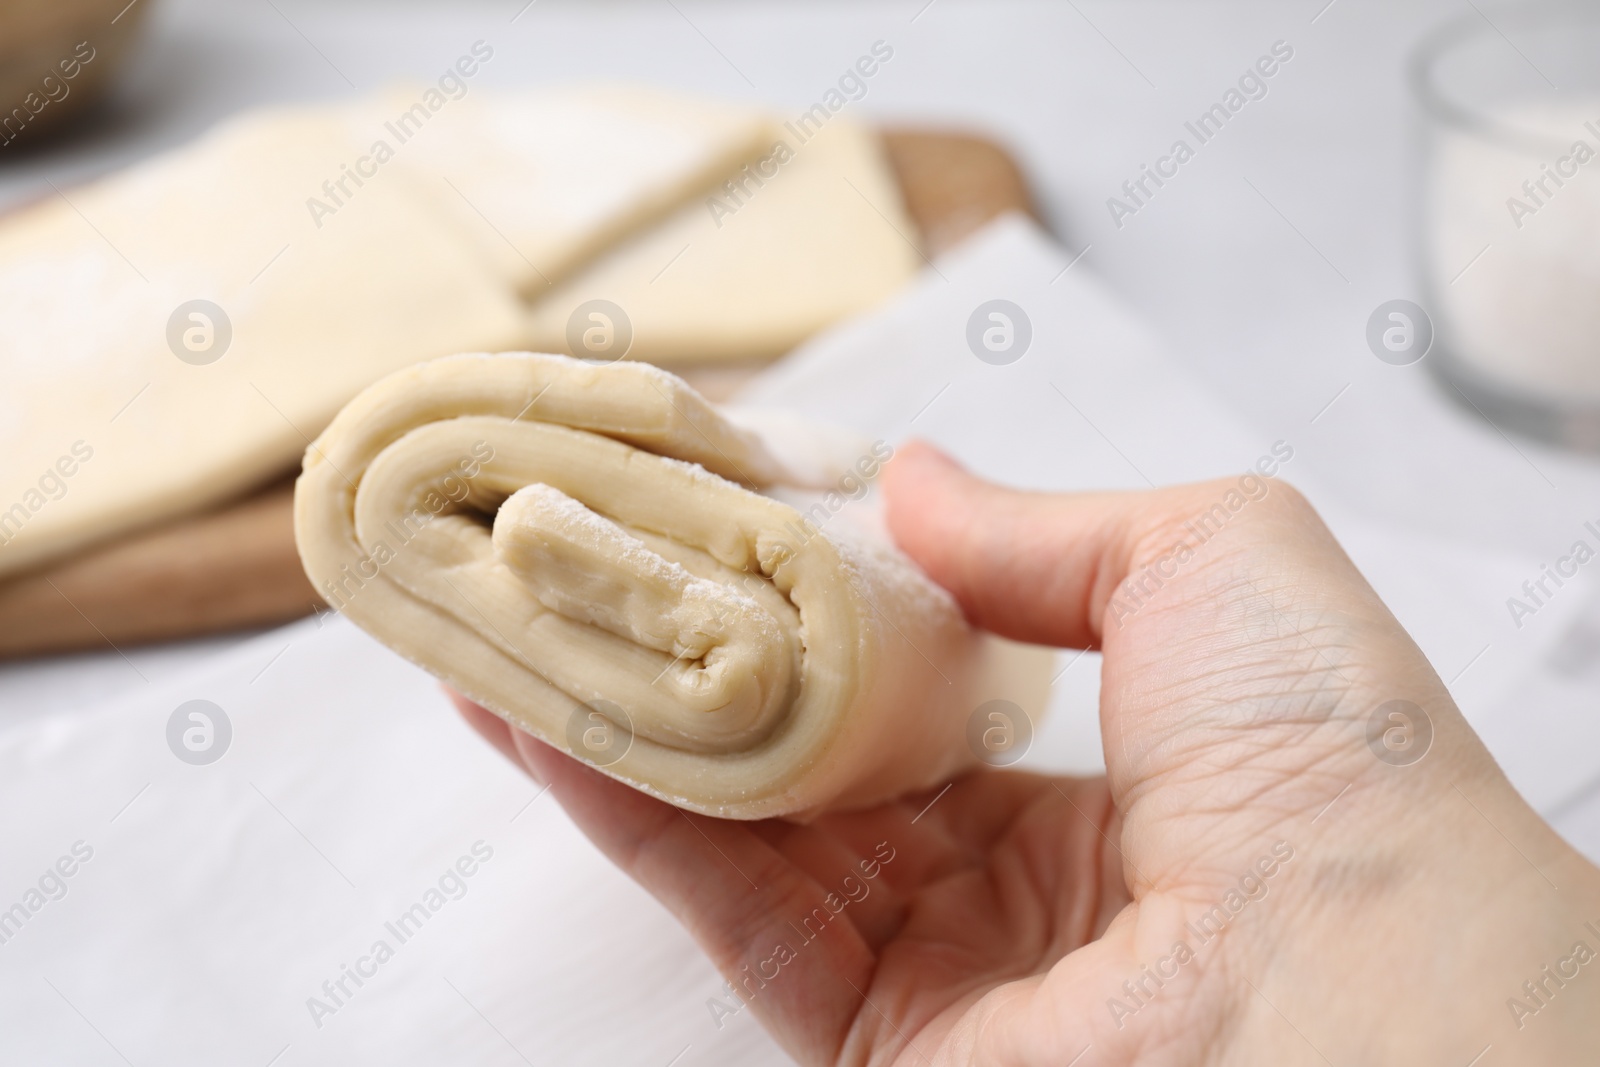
[591,551]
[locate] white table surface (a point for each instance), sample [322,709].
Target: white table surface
[1258,265]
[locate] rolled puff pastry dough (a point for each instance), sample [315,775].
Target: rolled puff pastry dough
[586,550]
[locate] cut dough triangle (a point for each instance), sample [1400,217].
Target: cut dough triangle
[90,279]
[544,179]
[749,273]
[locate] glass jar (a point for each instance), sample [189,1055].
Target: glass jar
[1509,220]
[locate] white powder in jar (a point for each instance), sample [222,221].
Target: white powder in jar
[1512,243]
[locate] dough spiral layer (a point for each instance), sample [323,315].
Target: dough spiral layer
[588,551]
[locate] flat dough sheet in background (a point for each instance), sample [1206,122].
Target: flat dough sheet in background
[217,900]
[824,237]
[492,196]
[545,178]
[87,288]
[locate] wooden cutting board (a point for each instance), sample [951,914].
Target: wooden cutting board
[236,567]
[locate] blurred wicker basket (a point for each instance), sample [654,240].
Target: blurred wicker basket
[57,57]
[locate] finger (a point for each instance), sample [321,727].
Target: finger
[1044,567]
[491,727]
[763,922]
[1030,566]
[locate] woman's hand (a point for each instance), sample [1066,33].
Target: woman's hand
[1300,852]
